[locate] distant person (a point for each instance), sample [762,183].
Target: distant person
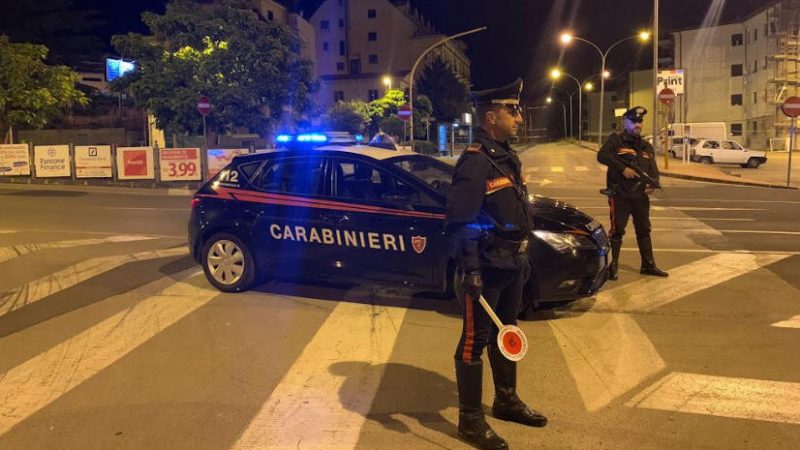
[627,194]
[383,140]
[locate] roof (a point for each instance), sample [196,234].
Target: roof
[365,150]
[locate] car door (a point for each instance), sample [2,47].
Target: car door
[711,148]
[288,224]
[388,229]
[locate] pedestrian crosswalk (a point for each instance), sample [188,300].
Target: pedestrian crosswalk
[564,169]
[613,357]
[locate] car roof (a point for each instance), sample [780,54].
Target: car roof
[363,150]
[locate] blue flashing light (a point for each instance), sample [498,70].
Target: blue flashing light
[283,138]
[312,137]
[359,138]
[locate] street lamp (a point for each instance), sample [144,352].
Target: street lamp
[563,112]
[570,94]
[414,69]
[387,81]
[567,38]
[555,74]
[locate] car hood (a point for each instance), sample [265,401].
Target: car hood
[555,215]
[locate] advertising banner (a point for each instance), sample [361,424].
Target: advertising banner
[672,79]
[52,161]
[180,164]
[93,161]
[14,160]
[218,158]
[135,163]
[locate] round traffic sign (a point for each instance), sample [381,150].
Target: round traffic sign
[791,107]
[203,106]
[404,112]
[666,96]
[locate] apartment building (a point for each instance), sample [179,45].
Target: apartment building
[359,43]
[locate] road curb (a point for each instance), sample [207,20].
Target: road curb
[132,188]
[684,176]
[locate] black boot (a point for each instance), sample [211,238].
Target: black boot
[472,426]
[648,261]
[613,268]
[507,405]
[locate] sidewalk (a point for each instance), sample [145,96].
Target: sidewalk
[703,172]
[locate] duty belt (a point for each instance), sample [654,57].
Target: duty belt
[508,244]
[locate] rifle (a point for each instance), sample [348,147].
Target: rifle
[644,177]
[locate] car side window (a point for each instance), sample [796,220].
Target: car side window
[711,144]
[296,176]
[360,181]
[728,145]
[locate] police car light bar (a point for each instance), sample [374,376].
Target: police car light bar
[312,137]
[283,138]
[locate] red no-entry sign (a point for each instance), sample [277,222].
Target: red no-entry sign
[203,106]
[791,107]
[666,96]
[404,112]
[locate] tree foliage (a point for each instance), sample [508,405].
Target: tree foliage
[249,68]
[423,108]
[352,116]
[32,92]
[448,93]
[386,105]
[393,126]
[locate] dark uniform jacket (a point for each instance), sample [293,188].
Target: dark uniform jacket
[634,150]
[488,212]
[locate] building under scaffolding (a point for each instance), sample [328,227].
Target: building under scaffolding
[783,19]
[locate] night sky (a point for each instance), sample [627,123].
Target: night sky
[522,35]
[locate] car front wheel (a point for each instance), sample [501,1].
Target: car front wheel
[706,160]
[753,163]
[228,264]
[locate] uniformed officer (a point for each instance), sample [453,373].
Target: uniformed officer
[488,215]
[628,195]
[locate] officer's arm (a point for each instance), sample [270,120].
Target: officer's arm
[464,202]
[608,155]
[652,168]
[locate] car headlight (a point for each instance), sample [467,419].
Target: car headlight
[563,242]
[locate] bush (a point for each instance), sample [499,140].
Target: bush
[426,147]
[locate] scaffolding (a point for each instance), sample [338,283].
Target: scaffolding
[783,20]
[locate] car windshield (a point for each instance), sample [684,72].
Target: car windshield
[434,173]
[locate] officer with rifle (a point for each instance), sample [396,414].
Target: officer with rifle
[632,176]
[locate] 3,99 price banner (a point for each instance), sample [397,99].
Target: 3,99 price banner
[180,164]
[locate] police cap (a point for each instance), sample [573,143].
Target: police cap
[506,95]
[635,114]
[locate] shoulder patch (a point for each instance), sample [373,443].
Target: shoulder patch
[473,148]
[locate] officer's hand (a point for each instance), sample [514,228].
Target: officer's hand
[649,190]
[630,173]
[473,284]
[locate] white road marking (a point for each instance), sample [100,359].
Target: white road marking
[794,322]
[186,209]
[305,410]
[556,169]
[603,168]
[648,294]
[703,218]
[701,208]
[531,169]
[13,251]
[739,398]
[607,355]
[581,168]
[72,275]
[708,250]
[8,231]
[716,231]
[102,233]
[40,381]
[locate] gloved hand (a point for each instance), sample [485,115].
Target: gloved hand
[473,284]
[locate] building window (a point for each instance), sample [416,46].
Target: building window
[338,96]
[325,46]
[355,66]
[270,16]
[755,97]
[341,23]
[737,39]
[766,60]
[755,66]
[341,48]
[736,99]
[371,14]
[373,59]
[755,34]
[372,94]
[736,70]
[340,67]
[766,30]
[372,36]
[324,25]
[736,129]
[754,126]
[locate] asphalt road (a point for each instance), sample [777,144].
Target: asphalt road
[110,337]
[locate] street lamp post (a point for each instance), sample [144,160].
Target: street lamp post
[570,94]
[555,74]
[563,112]
[414,69]
[566,38]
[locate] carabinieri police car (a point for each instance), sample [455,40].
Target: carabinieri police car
[354,213]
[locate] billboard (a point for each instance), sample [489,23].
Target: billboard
[93,161]
[14,160]
[116,68]
[673,79]
[52,161]
[180,164]
[218,158]
[135,163]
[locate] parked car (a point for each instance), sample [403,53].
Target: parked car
[708,151]
[676,148]
[367,215]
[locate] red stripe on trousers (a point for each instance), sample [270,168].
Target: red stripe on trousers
[611,213]
[469,339]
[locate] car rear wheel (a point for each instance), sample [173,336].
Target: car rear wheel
[673,155]
[706,160]
[753,163]
[228,264]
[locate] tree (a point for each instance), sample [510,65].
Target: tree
[447,92]
[386,105]
[352,116]
[393,126]
[250,69]
[422,114]
[31,92]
